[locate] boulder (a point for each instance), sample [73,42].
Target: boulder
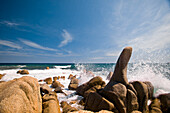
[96,102]
[47,68]
[70,76]
[55,78]
[1,75]
[20,95]
[142,94]
[82,111]
[117,95]
[150,89]
[24,72]
[155,106]
[18,72]
[120,72]
[165,102]
[93,82]
[109,76]
[56,84]
[131,101]
[48,80]
[67,108]
[51,103]
[92,89]
[44,88]
[73,84]
[136,112]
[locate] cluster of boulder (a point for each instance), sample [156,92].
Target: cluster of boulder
[26,95]
[23,72]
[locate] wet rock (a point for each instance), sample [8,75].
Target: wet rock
[70,76]
[44,88]
[155,106]
[48,80]
[93,82]
[51,103]
[20,95]
[73,84]
[142,94]
[1,75]
[67,108]
[109,76]
[150,89]
[165,102]
[132,101]
[95,102]
[56,84]
[24,72]
[47,68]
[117,95]
[18,72]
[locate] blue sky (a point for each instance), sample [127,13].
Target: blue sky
[60,31]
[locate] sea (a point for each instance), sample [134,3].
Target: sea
[157,73]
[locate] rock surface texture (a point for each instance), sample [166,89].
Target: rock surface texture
[20,96]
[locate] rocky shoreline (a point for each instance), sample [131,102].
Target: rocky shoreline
[26,95]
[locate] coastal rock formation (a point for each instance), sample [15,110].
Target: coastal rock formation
[18,72]
[155,106]
[44,88]
[93,82]
[1,75]
[150,89]
[48,80]
[142,94]
[56,84]
[51,103]
[24,72]
[70,76]
[73,84]
[96,102]
[20,96]
[165,102]
[67,108]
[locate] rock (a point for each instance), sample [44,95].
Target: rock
[82,102]
[56,84]
[136,112]
[82,111]
[48,80]
[93,82]
[92,89]
[70,76]
[73,84]
[67,108]
[120,72]
[40,80]
[20,95]
[45,88]
[117,95]
[109,76]
[96,102]
[130,86]
[63,77]
[155,106]
[73,102]
[132,101]
[165,102]
[59,90]
[18,72]
[47,68]
[51,103]
[150,89]
[55,78]
[105,111]
[142,94]
[1,75]
[23,72]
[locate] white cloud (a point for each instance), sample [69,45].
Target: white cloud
[67,38]
[9,44]
[13,53]
[8,23]
[35,45]
[97,58]
[112,54]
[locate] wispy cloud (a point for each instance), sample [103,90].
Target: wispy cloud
[10,44]
[112,54]
[14,53]
[35,45]
[8,23]
[67,38]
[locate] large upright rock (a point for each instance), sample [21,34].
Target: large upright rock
[165,102]
[20,96]
[120,72]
